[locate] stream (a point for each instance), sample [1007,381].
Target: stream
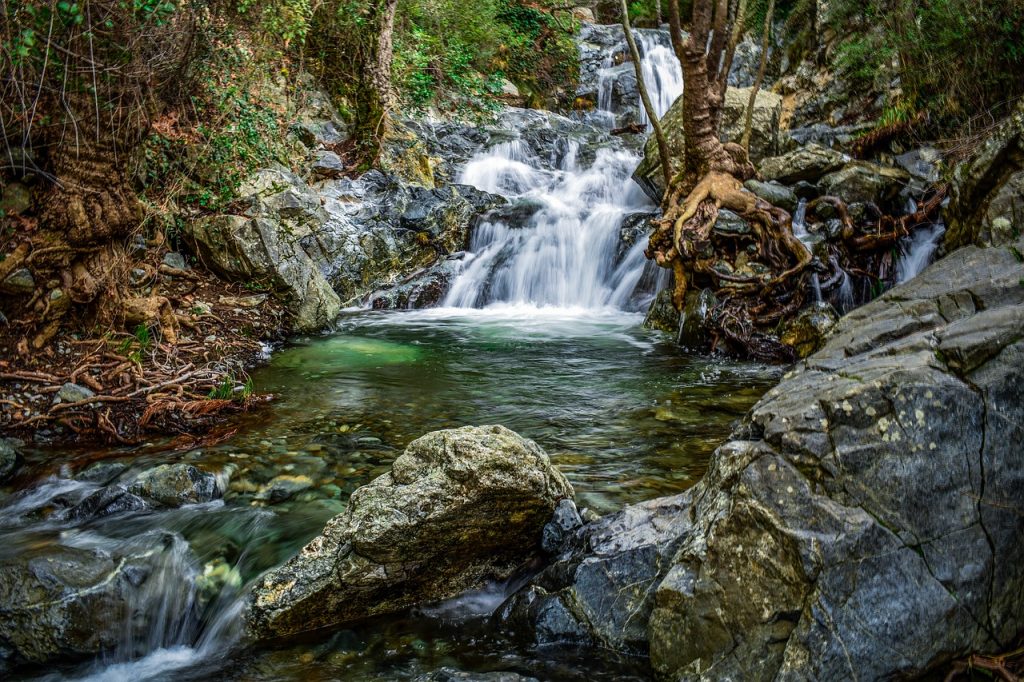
[541,332]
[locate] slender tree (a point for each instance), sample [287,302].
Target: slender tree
[652,115]
[765,39]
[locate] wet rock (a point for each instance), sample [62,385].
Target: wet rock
[806,190]
[326,164]
[922,163]
[18,283]
[284,487]
[565,521]
[600,589]
[60,602]
[73,393]
[174,485]
[866,182]
[694,320]
[807,332]
[425,289]
[458,506]
[987,193]
[114,499]
[840,530]
[807,163]
[175,260]
[453,675]
[774,193]
[10,458]
[662,315]
[730,223]
[764,134]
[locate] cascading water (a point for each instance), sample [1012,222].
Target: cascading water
[567,253]
[918,248]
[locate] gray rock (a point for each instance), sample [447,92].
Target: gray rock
[807,332]
[807,163]
[284,487]
[60,602]
[864,182]
[173,485]
[565,521]
[424,289]
[114,499]
[773,193]
[73,393]
[922,163]
[326,164]
[458,507]
[10,459]
[730,223]
[452,675]
[987,192]
[764,140]
[175,260]
[841,531]
[694,320]
[600,589]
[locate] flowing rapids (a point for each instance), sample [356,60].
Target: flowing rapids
[540,332]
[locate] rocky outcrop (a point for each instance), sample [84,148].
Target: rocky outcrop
[764,139]
[458,506]
[987,193]
[863,521]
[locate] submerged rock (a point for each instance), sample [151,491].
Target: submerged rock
[458,507]
[662,315]
[10,459]
[173,485]
[806,333]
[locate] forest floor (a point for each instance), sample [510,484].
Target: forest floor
[119,387]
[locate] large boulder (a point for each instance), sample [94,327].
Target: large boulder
[862,181]
[764,138]
[987,193]
[59,602]
[858,523]
[807,163]
[458,507]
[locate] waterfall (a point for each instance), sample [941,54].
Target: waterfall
[917,250]
[567,251]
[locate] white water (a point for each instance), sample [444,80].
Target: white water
[567,253]
[917,251]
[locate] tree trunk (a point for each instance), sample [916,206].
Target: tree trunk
[748,123]
[652,115]
[374,94]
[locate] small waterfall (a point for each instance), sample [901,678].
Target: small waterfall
[566,252]
[800,221]
[917,250]
[844,294]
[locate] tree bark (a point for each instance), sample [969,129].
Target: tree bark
[652,115]
[374,94]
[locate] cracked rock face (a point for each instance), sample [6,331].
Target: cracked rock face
[458,507]
[865,520]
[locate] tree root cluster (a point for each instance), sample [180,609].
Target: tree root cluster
[762,278]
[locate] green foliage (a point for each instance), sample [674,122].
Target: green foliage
[225,390]
[954,58]
[136,346]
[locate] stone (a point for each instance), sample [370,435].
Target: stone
[774,193]
[599,590]
[807,332]
[18,283]
[730,223]
[565,521]
[922,163]
[509,89]
[282,488]
[174,485]
[840,529]
[662,315]
[326,164]
[16,199]
[694,320]
[114,499]
[986,195]
[583,14]
[447,674]
[764,139]
[50,596]
[175,260]
[10,459]
[866,182]
[73,393]
[458,507]
[808,163]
